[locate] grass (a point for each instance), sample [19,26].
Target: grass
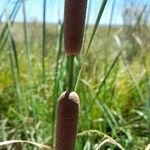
[113,89]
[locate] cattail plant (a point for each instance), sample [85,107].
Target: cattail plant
[68,104]
[67,117]
[74,19]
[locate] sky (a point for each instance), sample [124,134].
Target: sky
[55,10]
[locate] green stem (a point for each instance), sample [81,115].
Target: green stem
[70,72]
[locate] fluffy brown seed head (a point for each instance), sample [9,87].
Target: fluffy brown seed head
[74,19]
[67,117]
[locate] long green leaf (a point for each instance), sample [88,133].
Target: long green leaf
[44,43]
[29,69]
[56,80]
[3,35]
[91,39]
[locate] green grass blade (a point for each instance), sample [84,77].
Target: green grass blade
[3,35]
[56,80]
[108,34]
[44,44]
[5,6]
[104,80]
[141,96]
[15,81]
[96,25]
[100,105]
[15,69]
[87,23]
[29,69]
[11,17]
[15,53]
[108,41]
[91,39]
[13,47]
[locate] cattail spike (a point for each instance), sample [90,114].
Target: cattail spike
[74,19]
[67,117]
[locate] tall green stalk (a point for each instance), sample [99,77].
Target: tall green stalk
[56,80]
[70,72]
[3,35]
[44,43]
[28,59]
[108,41]
[101,10]
[107,74]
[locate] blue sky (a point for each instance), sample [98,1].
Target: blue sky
[55,10]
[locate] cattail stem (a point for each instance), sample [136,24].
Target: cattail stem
[70,72]
[67,117]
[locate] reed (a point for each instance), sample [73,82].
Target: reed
[68,104]
[114,91]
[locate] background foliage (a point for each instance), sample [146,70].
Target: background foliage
[111,77]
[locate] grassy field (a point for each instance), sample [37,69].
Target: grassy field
[113,86]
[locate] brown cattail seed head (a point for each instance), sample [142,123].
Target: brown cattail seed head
[75,11]
[67,117]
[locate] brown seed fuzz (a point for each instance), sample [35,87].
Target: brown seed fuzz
[67,117]
[75,11]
